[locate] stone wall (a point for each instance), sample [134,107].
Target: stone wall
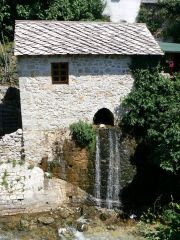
[95,82]
[18,180]
[18,184]
[11,148]
[23,186]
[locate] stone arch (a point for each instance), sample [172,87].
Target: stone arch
[103,116]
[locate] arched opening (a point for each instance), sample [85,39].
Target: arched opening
[104,116]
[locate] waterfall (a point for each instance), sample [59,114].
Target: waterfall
[107,168]
[98,173]
[117,170]
[110,183]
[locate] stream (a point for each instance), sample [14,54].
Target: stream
[67,224]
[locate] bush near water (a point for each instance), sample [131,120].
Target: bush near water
[153,118]
[83,133]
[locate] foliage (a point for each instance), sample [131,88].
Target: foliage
[14,163]
[8,74]
[83,134]
[31,166]
[163,19]
[4,17]
[153,116]
[168,227]
[4,179]
[71,10]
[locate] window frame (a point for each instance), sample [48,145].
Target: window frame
[59,73]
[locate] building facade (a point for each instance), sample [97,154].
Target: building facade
[70,71]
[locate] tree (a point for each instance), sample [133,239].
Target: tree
[153,117]
[4,17]
[163,18]
[73,10]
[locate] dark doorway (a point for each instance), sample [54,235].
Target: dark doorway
[104,116]
[10,111]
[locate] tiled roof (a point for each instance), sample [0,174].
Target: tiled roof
[56,37]
[149,1]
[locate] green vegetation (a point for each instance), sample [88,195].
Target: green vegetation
[83,134]
[4,179]
[153,116]
[8,73]
[162,19]
[31,166]
[22,162]
[14,163]
[69,10]
[166,226]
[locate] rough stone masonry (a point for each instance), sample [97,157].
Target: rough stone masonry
[95,82]
[47,111]
[24,186]
[98,57]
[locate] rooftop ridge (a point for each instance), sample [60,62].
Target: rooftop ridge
[77,22]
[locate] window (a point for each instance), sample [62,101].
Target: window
[60,73]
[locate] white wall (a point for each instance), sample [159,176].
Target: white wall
[95,82]
[122,10]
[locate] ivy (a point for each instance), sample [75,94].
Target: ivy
[153,116]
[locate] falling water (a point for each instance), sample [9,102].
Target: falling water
[98,173]
[107,168]
[116,170]
[109,197]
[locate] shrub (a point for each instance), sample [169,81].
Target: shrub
[8,71]
[169,226]
[162,18]
[82,133]
[153,116]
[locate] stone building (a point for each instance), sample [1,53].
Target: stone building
[70,71]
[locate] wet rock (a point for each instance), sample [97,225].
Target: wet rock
[82,219]
[62,231]
[102,125]
[111,227]
[65,212]
[82,227]
[132,216]
[103,216]
[65,233]
[46,220]
[23,225]
[120,212]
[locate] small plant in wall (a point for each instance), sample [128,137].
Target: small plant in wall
[83,134]
[14,163]
[21,162]
[4,179]
[31,166]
